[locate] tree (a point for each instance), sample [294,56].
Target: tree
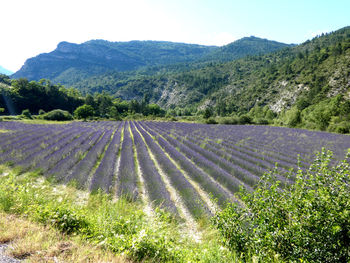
[83,112]
[154,109]
[114,113]
[208,112]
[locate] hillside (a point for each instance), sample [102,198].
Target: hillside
[245,46]
[70,63]
[313,71]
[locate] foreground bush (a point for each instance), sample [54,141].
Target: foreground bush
[307,221]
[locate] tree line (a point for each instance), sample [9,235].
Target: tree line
[40,97]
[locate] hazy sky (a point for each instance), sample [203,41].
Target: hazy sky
[31,27]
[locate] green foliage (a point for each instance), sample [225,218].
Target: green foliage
[58,115]
[37,95]
[293,117]
[244,119]
[306,221]
[84,112]
[114,113]
[64,219]
[211,120]
[26,114]
[228,120]
[208,112]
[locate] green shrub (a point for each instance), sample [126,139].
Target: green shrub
[41,112]
[64,219]
[244,119]
[228,120]
[261,121]
[211,121]
[26,114]
[58,115]
[306,221]
[341,127]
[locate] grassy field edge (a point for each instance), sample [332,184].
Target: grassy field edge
[112,230]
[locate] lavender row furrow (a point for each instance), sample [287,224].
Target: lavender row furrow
[219,174]
[154,184]
[188,194]
[82,170]
[104,174]
[242,174]
[26,142]
[127,177]
[54,157]
[286,162]
[36,146]
[196,174]
[34,158]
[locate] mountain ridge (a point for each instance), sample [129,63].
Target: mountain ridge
[71,62]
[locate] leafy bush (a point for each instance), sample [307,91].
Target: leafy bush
[306,221]
[261,121]
[244,119]
[58,115]
[228,120]
[211,121]
[26,114]
[341,127]
[64,219]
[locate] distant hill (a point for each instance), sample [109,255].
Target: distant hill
[245,46]
[70,63]
[5,71]
[75,61]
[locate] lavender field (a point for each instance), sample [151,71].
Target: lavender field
[178,166]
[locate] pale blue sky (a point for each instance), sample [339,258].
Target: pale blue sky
[37,26]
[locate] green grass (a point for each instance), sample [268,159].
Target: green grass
[120,227]
[40,121]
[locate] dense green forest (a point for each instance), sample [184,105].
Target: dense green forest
[32,97]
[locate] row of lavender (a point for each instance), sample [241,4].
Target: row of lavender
[162,158]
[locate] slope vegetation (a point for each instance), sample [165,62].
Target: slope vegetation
[69,62]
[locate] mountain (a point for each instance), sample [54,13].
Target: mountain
[5,71]
[302,75]
[76,61]
[70,63]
